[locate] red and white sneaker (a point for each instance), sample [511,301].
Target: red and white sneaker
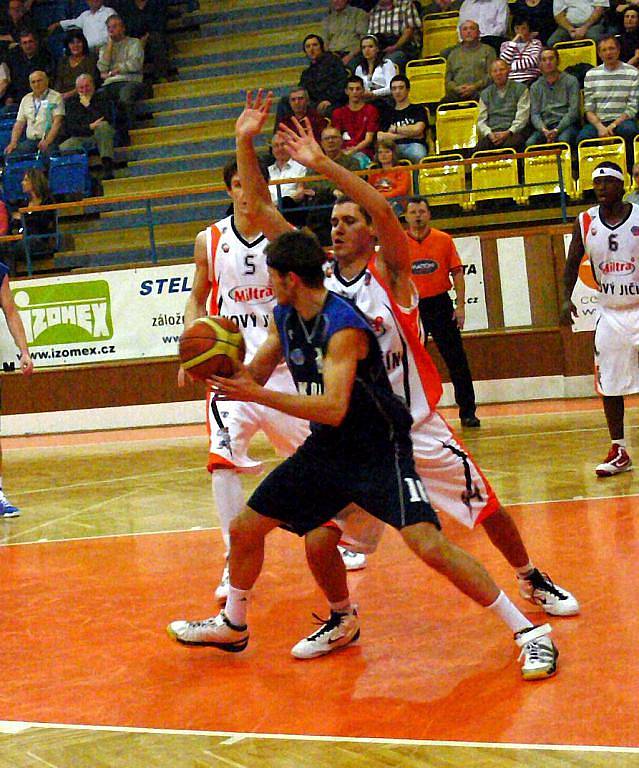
[616,461]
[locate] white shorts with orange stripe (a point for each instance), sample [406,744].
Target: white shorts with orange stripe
[617,352]
[232,425]
[453,481]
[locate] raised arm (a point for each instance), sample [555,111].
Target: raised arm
[390,233]
[249,125]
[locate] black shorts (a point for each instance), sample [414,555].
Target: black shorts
[313,485]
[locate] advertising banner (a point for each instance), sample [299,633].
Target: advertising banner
[469,249]
[94,318]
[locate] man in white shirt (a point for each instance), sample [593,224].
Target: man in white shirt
[91,22]
[41,112]
[578,19]
[293,194]
[492,17]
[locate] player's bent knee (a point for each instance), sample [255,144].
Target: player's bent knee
[429,544]
[321,543]
[250,527]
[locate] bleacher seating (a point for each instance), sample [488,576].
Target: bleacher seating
[69,174]
[543,172]
[495,179]
[591,152]
[14,170]
[427,79]
[439,32]
[456,126]
[443,184]
[574,52]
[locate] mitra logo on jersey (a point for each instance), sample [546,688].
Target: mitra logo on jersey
[617,267]
[251,294]
[66,313]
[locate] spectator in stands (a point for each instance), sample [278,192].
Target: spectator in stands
[633,195]
[397,25]
[92,22]
[629,38]
[78,60]
[554,103]
[86,123]
[406,124]
[358,123]
[14,20]
[375,70]
[440,6]
[325,77]
[146,20]
[292,195]
[41,112]
[504,111]
[344,26]
[389,180]
[522,53]
[468,65]
[539,15]
[120,63]
[5,81]
[298,102]
[28,57]
[492,18]
[39,226]
[319,217]
[611,92]
[578,19]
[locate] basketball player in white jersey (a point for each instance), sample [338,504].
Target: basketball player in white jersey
[608,234]
[231,279]
[383,290]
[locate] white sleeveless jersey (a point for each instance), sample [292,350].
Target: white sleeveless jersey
[411,371]
[614,257]
[240,283]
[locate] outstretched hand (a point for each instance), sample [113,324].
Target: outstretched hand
[301,143]
[251,122]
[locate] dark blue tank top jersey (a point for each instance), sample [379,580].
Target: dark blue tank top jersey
[367,459]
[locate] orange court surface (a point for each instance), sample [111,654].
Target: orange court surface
[118,537]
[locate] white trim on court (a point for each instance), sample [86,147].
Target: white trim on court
[15,727]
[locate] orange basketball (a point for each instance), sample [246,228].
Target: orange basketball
[211,346]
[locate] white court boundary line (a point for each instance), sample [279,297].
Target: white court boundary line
[201,528]
[231,737]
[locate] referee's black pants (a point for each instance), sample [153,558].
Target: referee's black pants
[436,313]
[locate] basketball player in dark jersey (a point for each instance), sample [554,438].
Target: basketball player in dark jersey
[359,452]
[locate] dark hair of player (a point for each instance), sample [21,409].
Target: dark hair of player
[298,252]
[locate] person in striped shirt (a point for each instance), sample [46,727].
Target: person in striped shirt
[523,53]
[611,95]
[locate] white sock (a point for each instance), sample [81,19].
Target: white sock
[0,482]
[236,606]
[509,613]
[229,499]
[344,606]
[621,443]
[525,570]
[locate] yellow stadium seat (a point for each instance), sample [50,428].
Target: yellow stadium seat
[542,171]
[443,184]
[439,32]
[591,152]
[495,177]
[427,79]
[576,52]
[456,125]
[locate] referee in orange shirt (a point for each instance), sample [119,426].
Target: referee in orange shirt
[435,260]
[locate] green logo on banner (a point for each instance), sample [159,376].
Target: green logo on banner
[65,313]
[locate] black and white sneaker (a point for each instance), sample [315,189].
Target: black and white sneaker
[354,561]
[538,652]
[338,631]
[539,589]
[216,631]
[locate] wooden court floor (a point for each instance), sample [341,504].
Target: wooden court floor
[118,537]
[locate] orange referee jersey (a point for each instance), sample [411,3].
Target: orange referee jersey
[433,260]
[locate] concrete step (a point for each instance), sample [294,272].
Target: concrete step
[161,182]
[187,132]
[249,63]
[67,260]
[203,211]
[265,21]
[196,114]
[213,86]
[292,33]
[239,55]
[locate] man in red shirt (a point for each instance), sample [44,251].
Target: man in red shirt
[435,260]
[358,122]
